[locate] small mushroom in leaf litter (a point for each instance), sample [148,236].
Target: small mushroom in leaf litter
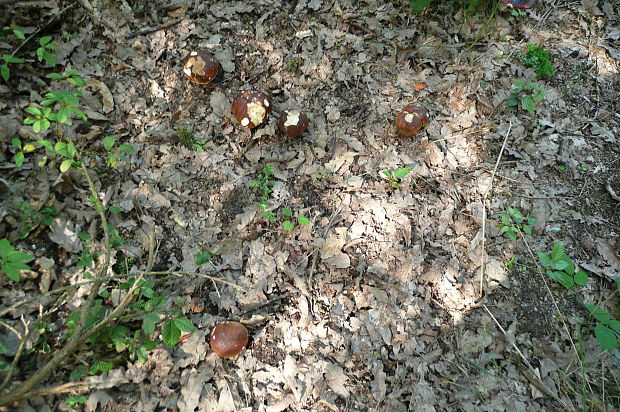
[293,122]
[228,339]
[520,4]
[251,108]
[200,66]
[411,119]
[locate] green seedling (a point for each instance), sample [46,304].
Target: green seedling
[289,224]
[203,257]
[513,221]
[607,329]
[561,268]
[418,6]
[395,176]
[12,261]
[44,52]
[29,217]
[7,59]
[117,153]
[4,366]
[538,58]
[4,67]
[187,139]
[526,94]
[75,400]
[262,186]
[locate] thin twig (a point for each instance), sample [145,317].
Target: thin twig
[529,365]
[150,30]
[200,275]
[484,210]
[39,29]
[22,345]
[70,387]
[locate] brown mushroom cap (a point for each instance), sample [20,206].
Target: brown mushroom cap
[520,4]
[251,108]
[228,339]
[293,122]
[200,66]
[411,119]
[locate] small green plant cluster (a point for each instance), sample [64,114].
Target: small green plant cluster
[65,102]
[188,139]
[12,261]
[150,311]
[538,58]
[4,366]
[526,94]
[45,51]
[116,152]
[559,267]
[203,257]
[418,6]
[30,217]
[7,59]
[262,185]
[607,329]
[513,221]
[394,176]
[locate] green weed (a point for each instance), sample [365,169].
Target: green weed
[559,267]
[394,176]
[607,329]
[526,94]
[262,186]
[538,58]
[117,153]
[12,261]
[513,221]
[187,139]
[29,217]
[418,6]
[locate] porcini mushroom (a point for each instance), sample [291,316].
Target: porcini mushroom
[411,119]
[251,108]
[520,4]
[228,339]
[293,122]
[200,66]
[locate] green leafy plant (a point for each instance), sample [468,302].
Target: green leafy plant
[289,224]
[7,59]
[262,187]
[30,217]
[4,67]
[187,138]
[513,221]
[607,329]
[537,58]
[395,176]
[75,400]
[22,149]
[203,257]
[117,153]
[4,366]
[559,267]
[12,261]
[418,6]
[526,94]
[65,102]
[44,52]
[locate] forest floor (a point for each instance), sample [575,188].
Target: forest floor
[397,294]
